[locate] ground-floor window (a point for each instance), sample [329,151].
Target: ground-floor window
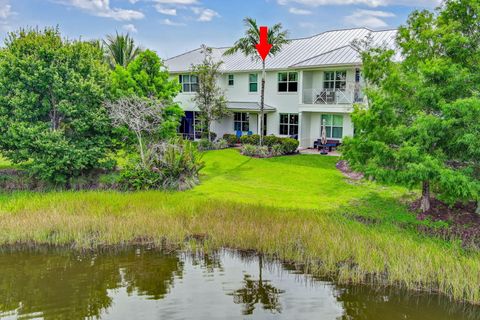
[241,121]
[191,125]
[288,124]
[334,125]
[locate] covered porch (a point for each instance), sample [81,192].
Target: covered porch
[244,120]
[338,126]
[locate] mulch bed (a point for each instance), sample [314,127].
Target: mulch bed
[460,221]
[463,222]
[342,165]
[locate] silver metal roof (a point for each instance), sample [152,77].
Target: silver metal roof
[327,48]
[343,55]
[248,106]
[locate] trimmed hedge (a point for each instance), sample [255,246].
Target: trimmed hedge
[270,141]
[231,138]
[253,139]
[290,145]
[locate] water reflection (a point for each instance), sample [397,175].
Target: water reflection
[55,284]
[258,291]
[136,283]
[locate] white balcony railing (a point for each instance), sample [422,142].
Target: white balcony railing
[351,94]
[320,96]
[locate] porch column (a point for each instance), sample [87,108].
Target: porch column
[259,123]
[300,134]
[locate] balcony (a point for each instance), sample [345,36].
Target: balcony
[328,96]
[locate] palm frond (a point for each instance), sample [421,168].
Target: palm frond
[120,49]
[247,44]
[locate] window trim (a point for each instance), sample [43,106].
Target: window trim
[250,82]
[288,124]
[241,121]
[334,81]
[189,83]
[332,126]
[287,82]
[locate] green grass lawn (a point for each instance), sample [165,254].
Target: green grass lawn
[299,208]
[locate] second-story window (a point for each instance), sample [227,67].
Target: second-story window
[231,80]
[189,82]
[287,82]
[252,82]
[335,80]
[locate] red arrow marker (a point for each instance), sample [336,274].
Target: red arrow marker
[263,47]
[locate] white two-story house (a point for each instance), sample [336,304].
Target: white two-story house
[311,81]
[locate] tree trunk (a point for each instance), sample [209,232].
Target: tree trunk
[425,201]
[478,207]
[262,103]
[208,128]
[140,144]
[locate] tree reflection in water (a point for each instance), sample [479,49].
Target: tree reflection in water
[55,284]
[256,292]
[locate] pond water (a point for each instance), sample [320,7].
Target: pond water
[138,283]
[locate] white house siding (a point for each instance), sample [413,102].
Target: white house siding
[290,102]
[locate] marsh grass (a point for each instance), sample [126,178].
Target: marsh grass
[298,209]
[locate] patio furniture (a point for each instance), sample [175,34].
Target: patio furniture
[331,144]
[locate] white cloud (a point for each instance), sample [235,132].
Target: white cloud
[370,3]
[368,18]
[5,13]
[167,11]
[101,8]
[130,28]
[5,9]
[205,14]
[177,2]
[299,11]
[169,22]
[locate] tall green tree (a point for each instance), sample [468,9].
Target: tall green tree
[51,104]
[147,77]
[209,98]
[421,125]
[277,37]
[120,49]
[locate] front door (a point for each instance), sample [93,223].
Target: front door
[186,125]
[264,124]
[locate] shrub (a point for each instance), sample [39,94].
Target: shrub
[204,145]
[136,177]
[230,138]
[172,165]
[213,136]
[255,151]
[254,139]
[178,162]
[270,141]
[220,144]
[277,150]
[51,108]
[290,145]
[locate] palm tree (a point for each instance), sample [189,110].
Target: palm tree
[120,49]
[277,37]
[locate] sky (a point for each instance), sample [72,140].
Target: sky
[171,27]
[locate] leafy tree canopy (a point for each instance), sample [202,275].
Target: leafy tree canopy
[147,77]
[51,104]
[421,124]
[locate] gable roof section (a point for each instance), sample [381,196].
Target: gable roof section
[342,55]
[327,46]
